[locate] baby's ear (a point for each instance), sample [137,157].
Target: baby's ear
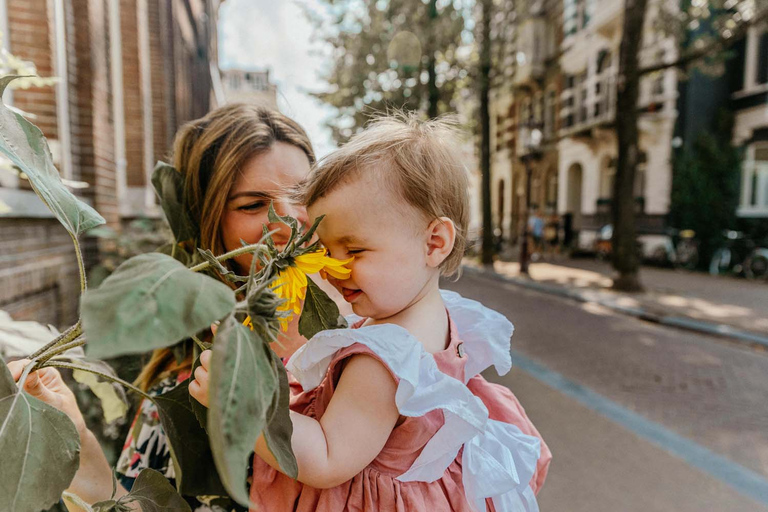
[441,234]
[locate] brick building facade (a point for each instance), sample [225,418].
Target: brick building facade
[131,72]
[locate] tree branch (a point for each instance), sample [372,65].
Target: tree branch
[717,44]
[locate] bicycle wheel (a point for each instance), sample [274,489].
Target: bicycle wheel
[687,255]
[721,262]
[756,264]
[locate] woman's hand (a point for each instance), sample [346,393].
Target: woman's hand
[198,387]
[47,386]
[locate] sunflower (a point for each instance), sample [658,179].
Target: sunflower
[291,283]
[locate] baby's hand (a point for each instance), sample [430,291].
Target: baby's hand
[198,388]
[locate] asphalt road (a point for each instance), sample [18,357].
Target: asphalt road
[639,417]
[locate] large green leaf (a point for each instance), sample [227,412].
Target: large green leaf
[24,144]
[155,494]
[169,185]
[279,427]
[242,386]
[39,449]
[190,449]
[151,301]
[320,313]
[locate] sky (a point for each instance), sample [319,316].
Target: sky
[275,35]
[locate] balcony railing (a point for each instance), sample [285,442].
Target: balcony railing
[582,110]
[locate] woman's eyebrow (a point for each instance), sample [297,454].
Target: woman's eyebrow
[250,193]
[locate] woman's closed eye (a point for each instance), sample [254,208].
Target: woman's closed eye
[252,206]
[355,251]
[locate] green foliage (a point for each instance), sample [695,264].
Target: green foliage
[151,301]
[151,491]
[242,383]
[279,428]
[705,191]
[320,313]
[381,53]
[169,185]
[24,145]
[190,449]
[38,444]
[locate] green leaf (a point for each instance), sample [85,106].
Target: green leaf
[150,301]
[155,494]
[190,449]
[24,144]
[311,231]
[242,386]
[208,256]
[113,403]
[169,185]
[279,427]
[320,313]
[40,449]
[287,220]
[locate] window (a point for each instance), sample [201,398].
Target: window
[762,59]
[754,182]
[549,113]
[576,14]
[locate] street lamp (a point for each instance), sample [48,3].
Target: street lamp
[532,144]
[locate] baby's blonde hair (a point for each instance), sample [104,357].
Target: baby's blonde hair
[420,160]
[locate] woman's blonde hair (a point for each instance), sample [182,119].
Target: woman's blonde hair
[209,152]
[418,160]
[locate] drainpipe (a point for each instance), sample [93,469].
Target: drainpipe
[118,110]
[62,89]
[145,69]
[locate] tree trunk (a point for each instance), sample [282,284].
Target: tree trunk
[434,94]
[485,127]
[625,258]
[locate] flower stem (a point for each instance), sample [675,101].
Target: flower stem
[253,248]
[80,264]
[65,337]
[78,342]
[72,366]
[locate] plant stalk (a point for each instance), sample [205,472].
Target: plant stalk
[72,366]
[65,337]
[253,248]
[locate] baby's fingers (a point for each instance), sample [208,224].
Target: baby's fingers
[205,359]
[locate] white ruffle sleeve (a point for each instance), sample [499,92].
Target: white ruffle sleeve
[498,461]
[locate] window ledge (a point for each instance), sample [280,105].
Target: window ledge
[15,203]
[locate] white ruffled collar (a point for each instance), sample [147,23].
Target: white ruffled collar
[486,334]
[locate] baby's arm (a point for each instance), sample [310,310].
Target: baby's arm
[351,433]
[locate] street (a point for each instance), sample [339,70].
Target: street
[639,417]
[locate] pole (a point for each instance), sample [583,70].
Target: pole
[524,256]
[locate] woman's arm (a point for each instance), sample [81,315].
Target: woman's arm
[353,430]
[93,479]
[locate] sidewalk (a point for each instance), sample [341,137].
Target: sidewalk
[724,306]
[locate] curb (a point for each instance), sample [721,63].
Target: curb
[680,322]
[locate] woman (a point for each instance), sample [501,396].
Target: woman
[236,160]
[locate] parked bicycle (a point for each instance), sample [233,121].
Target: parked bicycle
[740,255]
[680,249]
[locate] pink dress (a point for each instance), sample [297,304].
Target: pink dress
[465,445]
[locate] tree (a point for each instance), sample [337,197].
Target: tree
[484,81]
[704,31]
[391,54]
